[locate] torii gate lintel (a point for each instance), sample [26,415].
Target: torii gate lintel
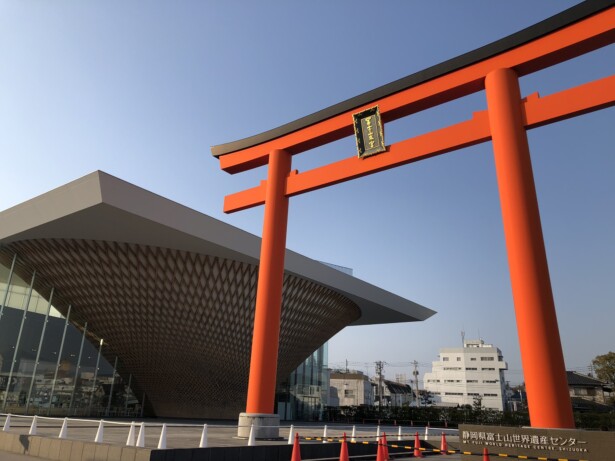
[537,111]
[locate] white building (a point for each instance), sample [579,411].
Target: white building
[350,389]
[464,374]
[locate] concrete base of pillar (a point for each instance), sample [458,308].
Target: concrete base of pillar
[265,426]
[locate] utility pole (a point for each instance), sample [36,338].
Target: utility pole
[379,370]
[416,382]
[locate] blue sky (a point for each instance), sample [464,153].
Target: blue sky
[142,89]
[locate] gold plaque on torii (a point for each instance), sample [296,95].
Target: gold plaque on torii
[368,131]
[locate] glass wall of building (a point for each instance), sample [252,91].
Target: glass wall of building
[50,363]
[305,394]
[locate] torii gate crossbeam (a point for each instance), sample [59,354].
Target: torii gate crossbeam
[537,112]
[495,69]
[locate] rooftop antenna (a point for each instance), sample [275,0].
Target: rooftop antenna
[463,338]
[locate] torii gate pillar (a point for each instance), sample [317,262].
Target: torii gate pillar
[264,359]
[539,340]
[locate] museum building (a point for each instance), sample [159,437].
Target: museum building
[116,301]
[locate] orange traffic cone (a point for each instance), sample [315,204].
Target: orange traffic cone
[385,446]
[443,445]
[417,446]
[296,456]
[485,454]
[380,452]
[344,450]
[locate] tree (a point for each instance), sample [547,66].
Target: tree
[477,404]
[605,367]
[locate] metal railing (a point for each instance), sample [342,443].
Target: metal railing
[162,435]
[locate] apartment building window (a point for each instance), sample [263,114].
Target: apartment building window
[472,381]
[445,359]
[348,393]
[459,359]
[487,359]
[471,369]
[490,381]
[452,368]
[472,359]
[453,393]
[491,395]
[473,394]
[452,380]
[487,369]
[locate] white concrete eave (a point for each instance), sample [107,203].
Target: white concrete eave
[102,207]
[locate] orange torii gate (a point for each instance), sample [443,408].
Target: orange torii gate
[494,68]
